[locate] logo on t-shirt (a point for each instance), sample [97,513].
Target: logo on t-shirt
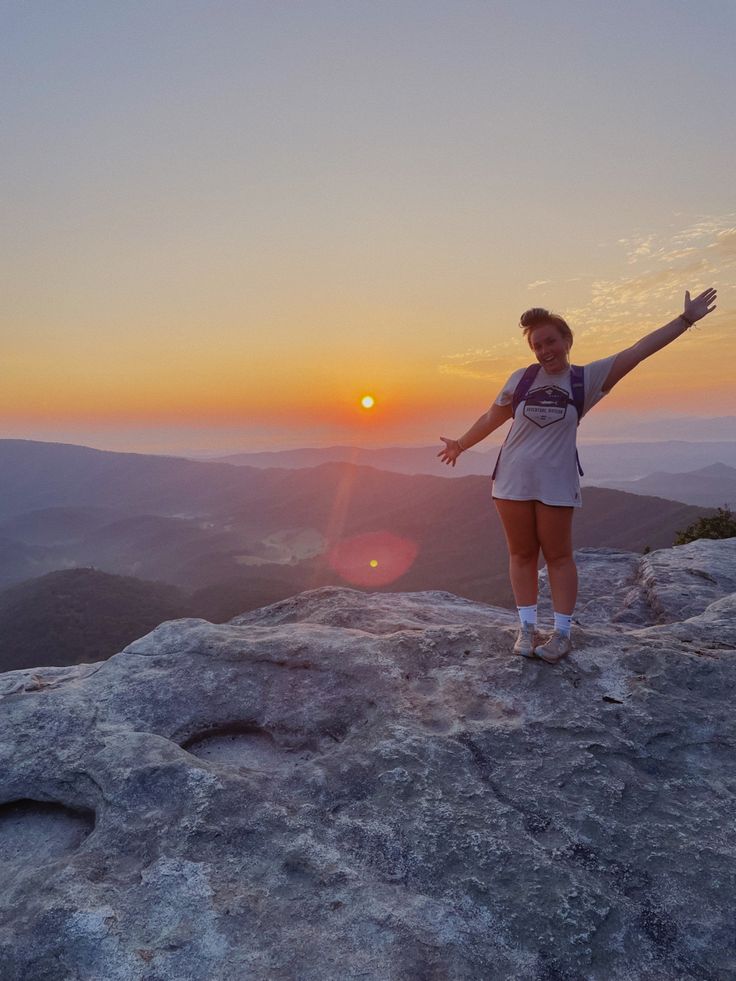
[544,406]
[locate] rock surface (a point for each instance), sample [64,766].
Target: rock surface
[370,785]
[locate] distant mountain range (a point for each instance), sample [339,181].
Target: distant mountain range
[611,425]
[222,539]
[396,459]
[38,475]
[712,486]
[600,461]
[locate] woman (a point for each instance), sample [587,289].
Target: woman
[535,484]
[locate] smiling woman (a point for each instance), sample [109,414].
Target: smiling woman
[536,485]
[549,337]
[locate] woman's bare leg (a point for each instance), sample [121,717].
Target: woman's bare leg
[519,525]
[554,529]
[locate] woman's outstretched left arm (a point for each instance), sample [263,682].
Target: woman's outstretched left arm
[627,360]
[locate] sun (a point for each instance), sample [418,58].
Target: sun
[367,401]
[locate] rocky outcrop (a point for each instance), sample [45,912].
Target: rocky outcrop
[370,785]
[665,586]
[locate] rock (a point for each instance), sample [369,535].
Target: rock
[665,586]
[681,581]
[605,580]
[370,785]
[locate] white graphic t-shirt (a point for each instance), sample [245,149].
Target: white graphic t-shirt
[537,461]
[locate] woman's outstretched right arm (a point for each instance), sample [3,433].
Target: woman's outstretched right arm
[648,345]
[496,416]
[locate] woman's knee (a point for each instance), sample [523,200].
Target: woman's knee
[528,556]
[554,531]
[559,560]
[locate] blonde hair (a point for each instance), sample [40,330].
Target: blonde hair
[537,317]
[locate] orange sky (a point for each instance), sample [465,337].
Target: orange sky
[248,222]
[238,379]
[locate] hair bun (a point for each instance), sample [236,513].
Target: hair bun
[531,316]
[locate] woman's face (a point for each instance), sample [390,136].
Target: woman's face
[550,347]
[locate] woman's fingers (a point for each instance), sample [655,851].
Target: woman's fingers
[448,455]
[700,306]
[448,458]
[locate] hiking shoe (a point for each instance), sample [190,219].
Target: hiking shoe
[555,649]
[525,640]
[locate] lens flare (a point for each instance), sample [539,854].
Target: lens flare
[372,559]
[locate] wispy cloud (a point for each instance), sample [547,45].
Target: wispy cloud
[496,362]
[725,245]
[618,310]
[705,232]
[693,256]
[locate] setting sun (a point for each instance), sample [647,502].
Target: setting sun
[367,401]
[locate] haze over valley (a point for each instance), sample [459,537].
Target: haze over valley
[213,540]
[609,464]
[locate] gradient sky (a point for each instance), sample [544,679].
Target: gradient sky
[224,222]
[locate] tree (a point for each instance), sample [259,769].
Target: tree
[719,525]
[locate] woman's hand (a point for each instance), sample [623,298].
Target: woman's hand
[696,309]
[451,451]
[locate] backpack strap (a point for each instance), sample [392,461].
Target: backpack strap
[493,475]
[520,393]
[577,384]
[523,385]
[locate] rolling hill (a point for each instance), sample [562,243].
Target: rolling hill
[712,486]
[230,539]
[80,615]
[601,460]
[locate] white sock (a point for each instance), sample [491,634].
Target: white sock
[528,614]
[563,623]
